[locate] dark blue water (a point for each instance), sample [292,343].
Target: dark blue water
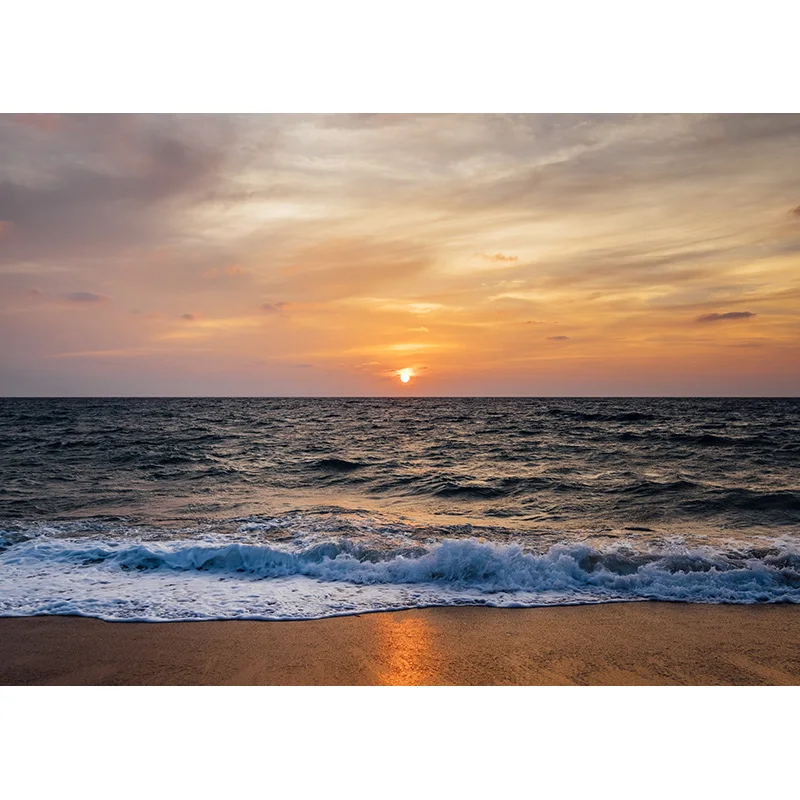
[635,481]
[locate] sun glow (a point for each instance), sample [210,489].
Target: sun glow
[405,374]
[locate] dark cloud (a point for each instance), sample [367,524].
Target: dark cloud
[106,182]
[558,338]
[727,315]
[795,212]
[189,317]
[84,297]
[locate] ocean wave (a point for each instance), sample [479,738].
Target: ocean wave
[209,579]
[651,488]
[471,491]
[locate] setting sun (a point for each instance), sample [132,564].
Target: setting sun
[406,374]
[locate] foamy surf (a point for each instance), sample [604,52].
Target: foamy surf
[212,577]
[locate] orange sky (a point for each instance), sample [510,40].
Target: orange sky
[320,255]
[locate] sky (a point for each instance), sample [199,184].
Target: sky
[540,255]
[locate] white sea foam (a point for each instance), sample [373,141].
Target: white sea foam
[214,578]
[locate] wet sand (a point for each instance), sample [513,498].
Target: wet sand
[615,644]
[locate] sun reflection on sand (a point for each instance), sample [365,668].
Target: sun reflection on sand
[406,651]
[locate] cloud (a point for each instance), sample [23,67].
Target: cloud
[273,308]
[499,257]
[411,346]
[558,338]
[795,212]
[423,308]
[207,327]
[421,329]
[727,315]
[83,297]
[117,353]
[100,183]
[584,163]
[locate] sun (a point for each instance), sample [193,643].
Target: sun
[405,374]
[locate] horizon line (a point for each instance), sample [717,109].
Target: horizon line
[401,397]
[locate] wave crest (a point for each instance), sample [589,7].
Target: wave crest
[452,571]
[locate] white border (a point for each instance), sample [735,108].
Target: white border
[419,55]
[398,743]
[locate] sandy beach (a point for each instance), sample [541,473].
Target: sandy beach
[614,644]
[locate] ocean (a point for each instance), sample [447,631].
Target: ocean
[297,508]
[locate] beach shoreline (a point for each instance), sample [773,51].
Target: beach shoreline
[638,643]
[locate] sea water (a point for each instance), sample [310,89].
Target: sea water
[284,508]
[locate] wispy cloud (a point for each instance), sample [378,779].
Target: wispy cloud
[274,308]
[499,258]
[203,328]
[728,315]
